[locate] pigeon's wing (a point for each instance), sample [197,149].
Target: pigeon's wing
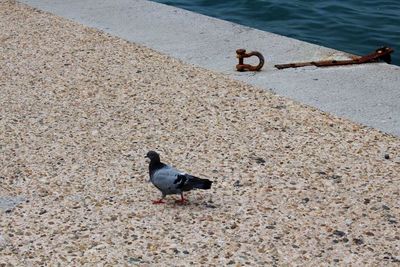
[165,179]
[187,182]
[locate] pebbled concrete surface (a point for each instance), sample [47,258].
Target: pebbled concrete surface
[367,94]
[7,203]
[80,108]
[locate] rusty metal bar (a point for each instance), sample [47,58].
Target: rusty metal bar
[379,54]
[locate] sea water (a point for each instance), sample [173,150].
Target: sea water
[355,26]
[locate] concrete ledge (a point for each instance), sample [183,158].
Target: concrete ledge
[367,94]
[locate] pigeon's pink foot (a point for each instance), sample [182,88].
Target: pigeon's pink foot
[160,201]
[181,201]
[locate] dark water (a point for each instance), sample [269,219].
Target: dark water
[357,27]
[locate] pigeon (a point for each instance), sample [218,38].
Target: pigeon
[172,181]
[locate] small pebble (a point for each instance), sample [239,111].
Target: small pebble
[210,206]
[3,242]
[237,184]
[43,211]
[134,260]
[358,241]
[260,160]
[396,259]
[339,233]
[234,225]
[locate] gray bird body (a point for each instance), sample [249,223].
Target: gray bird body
[172,181]
[164,179]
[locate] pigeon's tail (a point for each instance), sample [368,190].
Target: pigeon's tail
[199,183]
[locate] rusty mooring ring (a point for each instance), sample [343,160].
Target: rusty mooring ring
[241,54]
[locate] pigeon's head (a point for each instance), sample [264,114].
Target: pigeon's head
[153,156]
